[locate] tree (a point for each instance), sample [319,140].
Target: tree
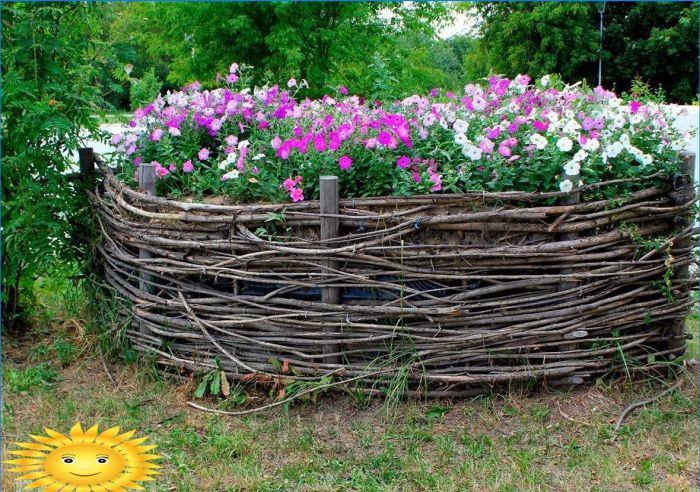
[53,62]
[648,40]
[327,44]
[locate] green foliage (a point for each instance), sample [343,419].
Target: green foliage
[648,41]
[326,43]
[53,63]
[144,90]
[39,376]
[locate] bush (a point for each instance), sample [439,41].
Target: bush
[272,144]
[144,90]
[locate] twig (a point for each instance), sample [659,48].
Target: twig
[291,398]
[109,374]
[642,403]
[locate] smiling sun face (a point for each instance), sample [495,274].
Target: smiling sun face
[86,461]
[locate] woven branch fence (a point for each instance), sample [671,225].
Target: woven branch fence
[454,292]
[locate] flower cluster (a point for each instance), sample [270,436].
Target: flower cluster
[262,144]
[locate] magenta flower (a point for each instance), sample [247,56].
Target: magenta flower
[187,167]
[403,162]
[157,135]
[289,183]
[540,125]
[319,143]
[203,154]
[433,92]
[139,113]
[493,133]
[345,162]
[343,90]
[232,78]
[138,161]
[172,167]
[634,106]
[588,123]
[296,194]
[384,137]
[276,143]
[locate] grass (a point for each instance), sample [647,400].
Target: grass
[547,441]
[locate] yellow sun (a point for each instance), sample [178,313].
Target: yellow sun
[85,462]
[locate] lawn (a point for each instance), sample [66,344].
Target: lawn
[54,376]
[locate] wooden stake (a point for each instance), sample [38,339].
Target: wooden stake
[329,230]
[147,184]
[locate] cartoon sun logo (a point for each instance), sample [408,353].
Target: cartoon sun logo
[86,461]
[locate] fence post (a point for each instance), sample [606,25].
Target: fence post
[685,190]
[147,184]
[571,199]
[329,230]
[86,156]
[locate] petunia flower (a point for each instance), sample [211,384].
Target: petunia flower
[345,162]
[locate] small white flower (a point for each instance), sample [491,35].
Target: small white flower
[443,123]
[572,168]
[625,140]
[538,141]
[614,149]
[461,139]
[572,127]
[472,152]
[580,155]
[591,145]
[646,159]
[460,126]
[544,81]
[429,119]
[231,174]
[553,117]
[224,164]
[258,157]
[566,186]
[243,144]
[565,144]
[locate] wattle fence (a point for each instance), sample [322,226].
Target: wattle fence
[450,293]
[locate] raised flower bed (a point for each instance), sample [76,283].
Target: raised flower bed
[567,260]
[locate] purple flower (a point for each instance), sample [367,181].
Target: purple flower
[504,150]
[540,125]
[486,146]
[203,154]
[232,78]
[345,162]
[343,90]
[403,162]
[588,123]
[433,92]
[116,138]
[187,167]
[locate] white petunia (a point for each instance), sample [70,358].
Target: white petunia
[580,155]
[258,157]
[231,175]
[572,168]
[472,152]
[461,139]
[572,127]
[565,144]
[566,186]
[538,141]
[591,145]
[429,119]
[614,149]
[460,126]
[544,81]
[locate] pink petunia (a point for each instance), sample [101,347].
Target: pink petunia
[157,135]
[288,184]
[203,154]
[343,90]
[634,106]
[297,195]
[319,143]
[345,162]
[187,167]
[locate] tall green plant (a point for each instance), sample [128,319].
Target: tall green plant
[52,61]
